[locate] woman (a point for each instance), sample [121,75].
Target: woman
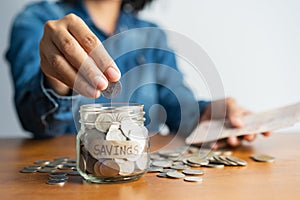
[50,42]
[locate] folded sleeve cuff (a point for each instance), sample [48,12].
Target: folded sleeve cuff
[61,104]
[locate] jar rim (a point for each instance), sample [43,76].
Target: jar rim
[111,105]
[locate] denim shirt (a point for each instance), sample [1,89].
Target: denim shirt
[149,74]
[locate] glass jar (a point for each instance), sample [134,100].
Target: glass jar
[112,144]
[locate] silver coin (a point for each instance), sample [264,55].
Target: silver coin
[64,167]
[123,116]
[127,126]
[104,121]
[33,167]
[113,90]
[168,153]
[220,160]
[180,167]
[169,170]
[57,162]
[193,179]
[133,130]
[61,159]
[73,173]
[198,160]
[185,161]
[213,165]
[42,162]
[174,154]
[162,163]
[214,160]
[175,174]
[89,117]
[138,133]
[63,177]
[28,170]
[58,174]
[126,168]
[263,158]
[178,163]
[155,169]
[115,135]
[193,172]
[237,160]
[54,164]
[226,161]
[56,182]
[46,170]
[162,175]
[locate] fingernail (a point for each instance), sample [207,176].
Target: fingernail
[101,82]
[92,92]
[232,140]
[113,74]
[249,138]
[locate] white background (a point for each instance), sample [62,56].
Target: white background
[255,45]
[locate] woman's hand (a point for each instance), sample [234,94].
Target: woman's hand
[234,113]
[72,57]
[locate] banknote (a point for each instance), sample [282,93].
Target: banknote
[271,120]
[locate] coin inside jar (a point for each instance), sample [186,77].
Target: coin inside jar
[97,168]
[82,163]
[90,163]
[109,168]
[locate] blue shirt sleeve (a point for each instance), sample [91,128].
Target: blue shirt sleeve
[40,110]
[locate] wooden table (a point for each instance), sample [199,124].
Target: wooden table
[278,180]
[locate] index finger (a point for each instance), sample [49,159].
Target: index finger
[93,46]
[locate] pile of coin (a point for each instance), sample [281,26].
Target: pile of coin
[114,143]
[176,163]
[59,169]
[57,178]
